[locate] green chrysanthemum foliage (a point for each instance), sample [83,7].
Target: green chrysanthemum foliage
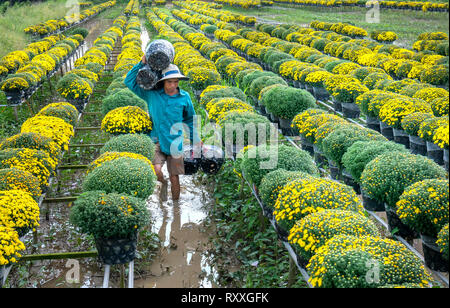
[258,161]
[386,176]
[122,98]
[365,262]
[130,176]
[274,181]
[109,215]
[134,143]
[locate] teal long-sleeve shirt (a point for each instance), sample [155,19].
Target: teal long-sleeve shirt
[168,114]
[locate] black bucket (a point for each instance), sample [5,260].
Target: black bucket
[191,163]
[212,159]
[116,250]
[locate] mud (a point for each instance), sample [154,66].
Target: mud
[183,260]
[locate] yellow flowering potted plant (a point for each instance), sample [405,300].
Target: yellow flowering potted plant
[18,210]
[424,206]
[301,197]
[9,250]
[312,231]
[127,120]
[411,124]
[427,131]
[344,260]
[386,177]
[442,241]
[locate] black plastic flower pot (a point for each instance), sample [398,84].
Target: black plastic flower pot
[373,123]
[432,255]
[417,145]
[321,94]
[159,54]
[212,159]
[285,125]
[435,153]
[116,250]
[306,145]
[370,204]
[350,110]
[386,131]
[348,180]
[397,227]
[335,171]
[446,159]
[319,158]
[147,78]
[401,137]
[337,106]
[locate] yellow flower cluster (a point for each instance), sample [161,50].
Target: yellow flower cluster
[217,108]
[359,255]
[305,196]
[312,231]
[18,210]
[441,136]
[16,179]
[394,110]
[127,120]
[308,128]
[53,25]
[55,128]
[424,206]
[108,156]
[10,245]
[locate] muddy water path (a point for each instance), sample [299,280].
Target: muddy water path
[183,260]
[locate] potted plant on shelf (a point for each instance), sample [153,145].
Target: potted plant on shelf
[342,262]
[14,88]
[424,206]
[127,120]
[286,102]
[339,140]
[135,177]
[301,197]
[396,109]
[18,210]
[312,231]
[441,139]
[358,155]
[427,131]
[113,220]
[386,177]
[346,94]
[411,124]
[273,182]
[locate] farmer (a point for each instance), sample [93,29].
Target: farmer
[170,108]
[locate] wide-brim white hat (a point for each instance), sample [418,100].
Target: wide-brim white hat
[171,72]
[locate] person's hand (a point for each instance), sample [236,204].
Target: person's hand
[143,60]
